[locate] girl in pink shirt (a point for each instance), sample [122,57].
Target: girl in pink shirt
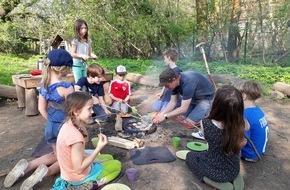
[77,168]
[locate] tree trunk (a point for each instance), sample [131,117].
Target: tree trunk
[201,19]
[7,91]
[234,35]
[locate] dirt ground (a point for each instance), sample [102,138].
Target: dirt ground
[19,135]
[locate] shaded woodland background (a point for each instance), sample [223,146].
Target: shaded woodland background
[233,30]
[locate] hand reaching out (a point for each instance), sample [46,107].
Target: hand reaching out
[84,57]
[158,118]
[96,100]
[94,56]
[107,112]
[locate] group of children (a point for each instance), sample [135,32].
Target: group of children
[67,111]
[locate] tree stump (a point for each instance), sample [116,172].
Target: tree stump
[31,102]
[20,96]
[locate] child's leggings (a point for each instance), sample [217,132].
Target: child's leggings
[111,168]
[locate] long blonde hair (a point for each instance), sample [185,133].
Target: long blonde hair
[61,71]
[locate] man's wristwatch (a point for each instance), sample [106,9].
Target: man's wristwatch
[165,116]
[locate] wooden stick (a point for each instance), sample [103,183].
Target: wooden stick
[206,65]
[127,113]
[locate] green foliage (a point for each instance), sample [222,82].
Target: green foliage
[132,66]
[15,64]
[267,76]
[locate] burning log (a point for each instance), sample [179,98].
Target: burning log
[124,143]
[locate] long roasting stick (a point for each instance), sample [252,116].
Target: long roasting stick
[140,117]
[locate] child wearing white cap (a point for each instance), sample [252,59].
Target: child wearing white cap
[120,90]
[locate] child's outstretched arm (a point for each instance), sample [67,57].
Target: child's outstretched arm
[103,104]
[127,98]
[77,88]
[94,56]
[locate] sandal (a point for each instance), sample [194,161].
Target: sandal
[15,173]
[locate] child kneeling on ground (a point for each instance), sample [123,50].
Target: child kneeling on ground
[76,168]
[93,85]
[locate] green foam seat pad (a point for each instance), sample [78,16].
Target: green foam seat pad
[238,183]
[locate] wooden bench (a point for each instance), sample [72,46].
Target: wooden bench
[26,90]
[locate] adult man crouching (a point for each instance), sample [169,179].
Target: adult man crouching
[197,93]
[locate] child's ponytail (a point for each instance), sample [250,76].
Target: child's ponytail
[46,74]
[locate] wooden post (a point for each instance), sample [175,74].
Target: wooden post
[107,97]
[31,102]
[20,91]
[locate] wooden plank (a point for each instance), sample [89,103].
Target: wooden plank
[124,143]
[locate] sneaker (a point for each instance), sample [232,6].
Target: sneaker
[198,135]
[249,159]
[15,173]
[36,177]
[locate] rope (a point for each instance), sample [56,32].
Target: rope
[253,146]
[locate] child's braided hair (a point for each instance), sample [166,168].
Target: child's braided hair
[75,102]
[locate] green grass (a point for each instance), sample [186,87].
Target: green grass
[266,75]
[15,64]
